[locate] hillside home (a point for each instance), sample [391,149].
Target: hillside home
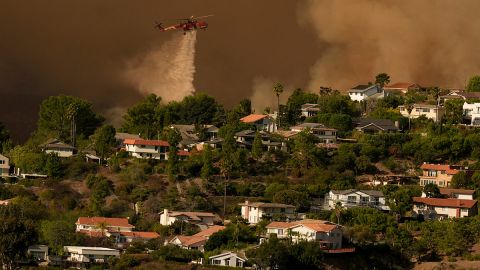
[356,198]
[437,208]
[4,165]
[58,147]
[401,87]
[154,149]
[371,126]
[458,193]
[433,112]
[196,241]
[365,92]
[261,121]
[38,252]
[230,259]
[197,218]
[96,224]
[82,257]
[327,234]
[438,174]
[325,134]
[310,109]
[456,94]
[471,113]
[254,211]
[190,134]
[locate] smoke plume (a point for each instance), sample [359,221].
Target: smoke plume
[427,42]
[167,71]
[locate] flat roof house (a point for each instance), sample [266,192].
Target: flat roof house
[79,256]
[253,212]
[154,149]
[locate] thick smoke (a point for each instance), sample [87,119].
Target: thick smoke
[427,42]
[167,71]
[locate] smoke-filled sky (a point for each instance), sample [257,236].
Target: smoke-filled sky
[109,53]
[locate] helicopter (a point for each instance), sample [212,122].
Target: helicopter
[188,24]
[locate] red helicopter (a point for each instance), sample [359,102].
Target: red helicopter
[188,24]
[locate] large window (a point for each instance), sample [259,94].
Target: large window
[351,199]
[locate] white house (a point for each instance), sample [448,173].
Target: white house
[356,198]
[471,112]
[83,256]
[328,234]
[4,165]
[254,211]
[439,208]
[261,121]
[198,218]
[433,112]
[196,241]
[154,149]
[310,109]
[325,134]
[230,259]
[95,224]
[38,252]
[364,92]
[58,147]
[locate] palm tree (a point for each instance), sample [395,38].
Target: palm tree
[278,89]
[338,211]
[102,226]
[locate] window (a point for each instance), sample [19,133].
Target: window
[280,232]
[464,210]
[426,110]
[432,173]
[351,199]
[2,161]
[216,262]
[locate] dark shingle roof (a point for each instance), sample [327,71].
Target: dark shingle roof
[384,124]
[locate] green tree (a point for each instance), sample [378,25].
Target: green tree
[104,141]
[57,234]
[173,139]
[207,167]
[454,111]
[257,147]
[431,191]
[53,166]
[145,118]
[474,84]
[5,143]
[462,180]
[54,120]
[278,90]
[17,232]
[382,79]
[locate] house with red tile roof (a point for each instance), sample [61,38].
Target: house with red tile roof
[196,241]
[263,122]
[439,174]
[402,87]
[199,218]
[328,234]
[440,208]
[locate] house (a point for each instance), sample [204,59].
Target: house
[364,92]
[471,113]
[439,174]
[190,133]
[58,147]
[4,166]
[154,149]
[310,109]
[196,241]
[230,259]
[5,202]
[433,112]
[198,218]
[439,208]
[402,87]
[325,134]
[370,126]
[458,193]
[328,234]
[261,121]
[82,257]
[95,224]
[122,237]
[213,143]
[245,138]
[38,252]
[253,212]
[356,198]
[457,94]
